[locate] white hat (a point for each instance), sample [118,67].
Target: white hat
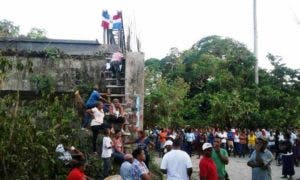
[172,136]
[168,143]
[206,146]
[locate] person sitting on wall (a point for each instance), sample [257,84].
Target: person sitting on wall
[92,101]
[74,159]
[116,115]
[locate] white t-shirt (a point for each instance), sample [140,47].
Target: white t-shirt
[236,138]
[99,115]
[271,140]
[224,137]
[176,163]
[293,138]
[106,147]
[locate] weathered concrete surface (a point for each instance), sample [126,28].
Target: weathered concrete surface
[67,73]
[134,87]
[70,47]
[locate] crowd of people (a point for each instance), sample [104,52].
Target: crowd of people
[212,146]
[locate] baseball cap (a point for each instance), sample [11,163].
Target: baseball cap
[168,143]
[206,146]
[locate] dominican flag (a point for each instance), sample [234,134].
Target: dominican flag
[117,21]
[105,19]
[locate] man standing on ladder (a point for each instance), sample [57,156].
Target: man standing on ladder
[116,65]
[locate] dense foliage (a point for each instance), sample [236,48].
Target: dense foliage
[212,84]
[9,30]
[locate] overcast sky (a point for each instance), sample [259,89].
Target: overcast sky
[162,24]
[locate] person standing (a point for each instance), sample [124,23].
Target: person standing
[220,158]
[189,138]
[106,152]
[224,139]
[260,160]
[251,141]
[207,167]
[243,143]
[125,170]
[296,150]
[287,157]
[236,143]
[176,164]
[168,146]
[230,138]
[92,102]
[116,65]
[97,122]
[271,142]
[162,136]
[139,169]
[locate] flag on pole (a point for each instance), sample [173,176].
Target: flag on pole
[117,21]
[105,19]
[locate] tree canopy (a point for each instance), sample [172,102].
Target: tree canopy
[9,30]
[217,88]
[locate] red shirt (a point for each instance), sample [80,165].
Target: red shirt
[208,169]
[162,137]
[76,174]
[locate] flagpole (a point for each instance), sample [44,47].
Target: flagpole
[123,35]
[255,42]
[104,36]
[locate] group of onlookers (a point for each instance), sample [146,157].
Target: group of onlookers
[213,155]
[260,146]
[213,146]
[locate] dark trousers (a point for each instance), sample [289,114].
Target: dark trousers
[96,130]
[147,160]
[242,150]
[106,167]
[115,68]
[112,119]
[236,147]
[189,148]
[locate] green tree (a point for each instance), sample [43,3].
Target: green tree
[163,103]
[222,91]
[37,33]
[8,29]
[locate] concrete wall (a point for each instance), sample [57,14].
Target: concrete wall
[67,73]
[134,87]
[70,47]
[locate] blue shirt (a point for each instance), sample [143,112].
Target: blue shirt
[93,99]
[143,144]
[138,169]
[125,171]
[189,137]
[259,173]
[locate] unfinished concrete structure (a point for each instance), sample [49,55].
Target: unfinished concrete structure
[70,63]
